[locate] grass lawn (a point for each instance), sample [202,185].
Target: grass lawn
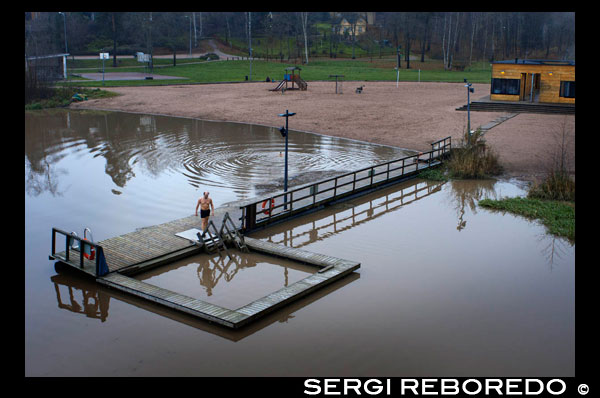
[315,70]
[557,216]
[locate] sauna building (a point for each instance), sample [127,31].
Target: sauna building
[533,80]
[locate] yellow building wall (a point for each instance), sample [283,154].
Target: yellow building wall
[549,83]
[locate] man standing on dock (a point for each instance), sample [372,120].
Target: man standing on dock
[205,203]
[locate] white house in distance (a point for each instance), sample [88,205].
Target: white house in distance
[365,19]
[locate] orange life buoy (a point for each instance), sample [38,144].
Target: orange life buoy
[267,211]
[89,252]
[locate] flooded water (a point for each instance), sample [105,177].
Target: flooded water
[445,288]
[229,281]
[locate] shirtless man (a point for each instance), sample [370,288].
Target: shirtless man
[205,203]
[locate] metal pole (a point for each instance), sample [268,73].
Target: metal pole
[469,113]
[190,38]
[285,175]
[250,50]
[287,114]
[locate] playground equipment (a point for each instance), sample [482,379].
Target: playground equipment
[291,79]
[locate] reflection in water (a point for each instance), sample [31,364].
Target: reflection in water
[481,301]
[234,156]
[92,302]
[347,215]
[211,269]
[95,300]
[468,193]
[555,250]
[229,281]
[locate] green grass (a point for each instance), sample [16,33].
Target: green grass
[63,97]
[82,65]
[434,174]
[557,216]
[315,70]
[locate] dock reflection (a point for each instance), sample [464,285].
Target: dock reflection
[82,295]
[346,215]
[94,301]
[214,268]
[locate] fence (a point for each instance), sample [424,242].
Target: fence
[300,199]
[100,269]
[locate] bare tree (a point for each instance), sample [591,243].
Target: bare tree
[304,23]
[352,18]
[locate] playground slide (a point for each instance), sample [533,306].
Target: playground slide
[279,86]
[301,83]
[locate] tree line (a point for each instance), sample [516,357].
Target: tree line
[451,37]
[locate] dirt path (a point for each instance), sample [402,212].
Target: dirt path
[410,116]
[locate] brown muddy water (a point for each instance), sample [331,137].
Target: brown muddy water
[445,287]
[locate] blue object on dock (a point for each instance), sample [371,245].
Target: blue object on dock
[101,266]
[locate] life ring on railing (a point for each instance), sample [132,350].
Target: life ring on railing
[267,210]
[89,251]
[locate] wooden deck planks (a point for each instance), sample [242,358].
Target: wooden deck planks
[241,316]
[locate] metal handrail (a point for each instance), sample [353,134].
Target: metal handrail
[70,237]
[214,237]
[235,236]
[439,149]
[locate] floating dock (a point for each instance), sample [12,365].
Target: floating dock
[116,260]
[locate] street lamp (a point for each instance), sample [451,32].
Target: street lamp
[65,23]
[469,91]
[284,132]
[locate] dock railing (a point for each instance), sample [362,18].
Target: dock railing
[302,198]
[101,267]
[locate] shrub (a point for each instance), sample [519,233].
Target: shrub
[558,185]
[473,159]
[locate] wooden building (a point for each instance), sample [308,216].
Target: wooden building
[531,80]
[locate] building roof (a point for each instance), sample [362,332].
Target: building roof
[536,62]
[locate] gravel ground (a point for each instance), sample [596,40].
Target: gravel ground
[409,116]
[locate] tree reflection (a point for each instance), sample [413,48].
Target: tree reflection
[466,193]
[42,178]
[232,155]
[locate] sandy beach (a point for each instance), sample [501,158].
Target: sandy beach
[411,115]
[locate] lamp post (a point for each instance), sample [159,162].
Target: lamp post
[284,132]
[469,91]
[250,43]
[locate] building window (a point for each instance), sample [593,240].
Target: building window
[567,89]
[506,86]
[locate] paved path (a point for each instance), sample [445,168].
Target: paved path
[484,128]
[126,76]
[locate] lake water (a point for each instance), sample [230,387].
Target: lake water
[445,288]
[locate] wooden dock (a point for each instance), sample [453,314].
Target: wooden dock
[261,212]
[119,258]
[153,246]
[329,269]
